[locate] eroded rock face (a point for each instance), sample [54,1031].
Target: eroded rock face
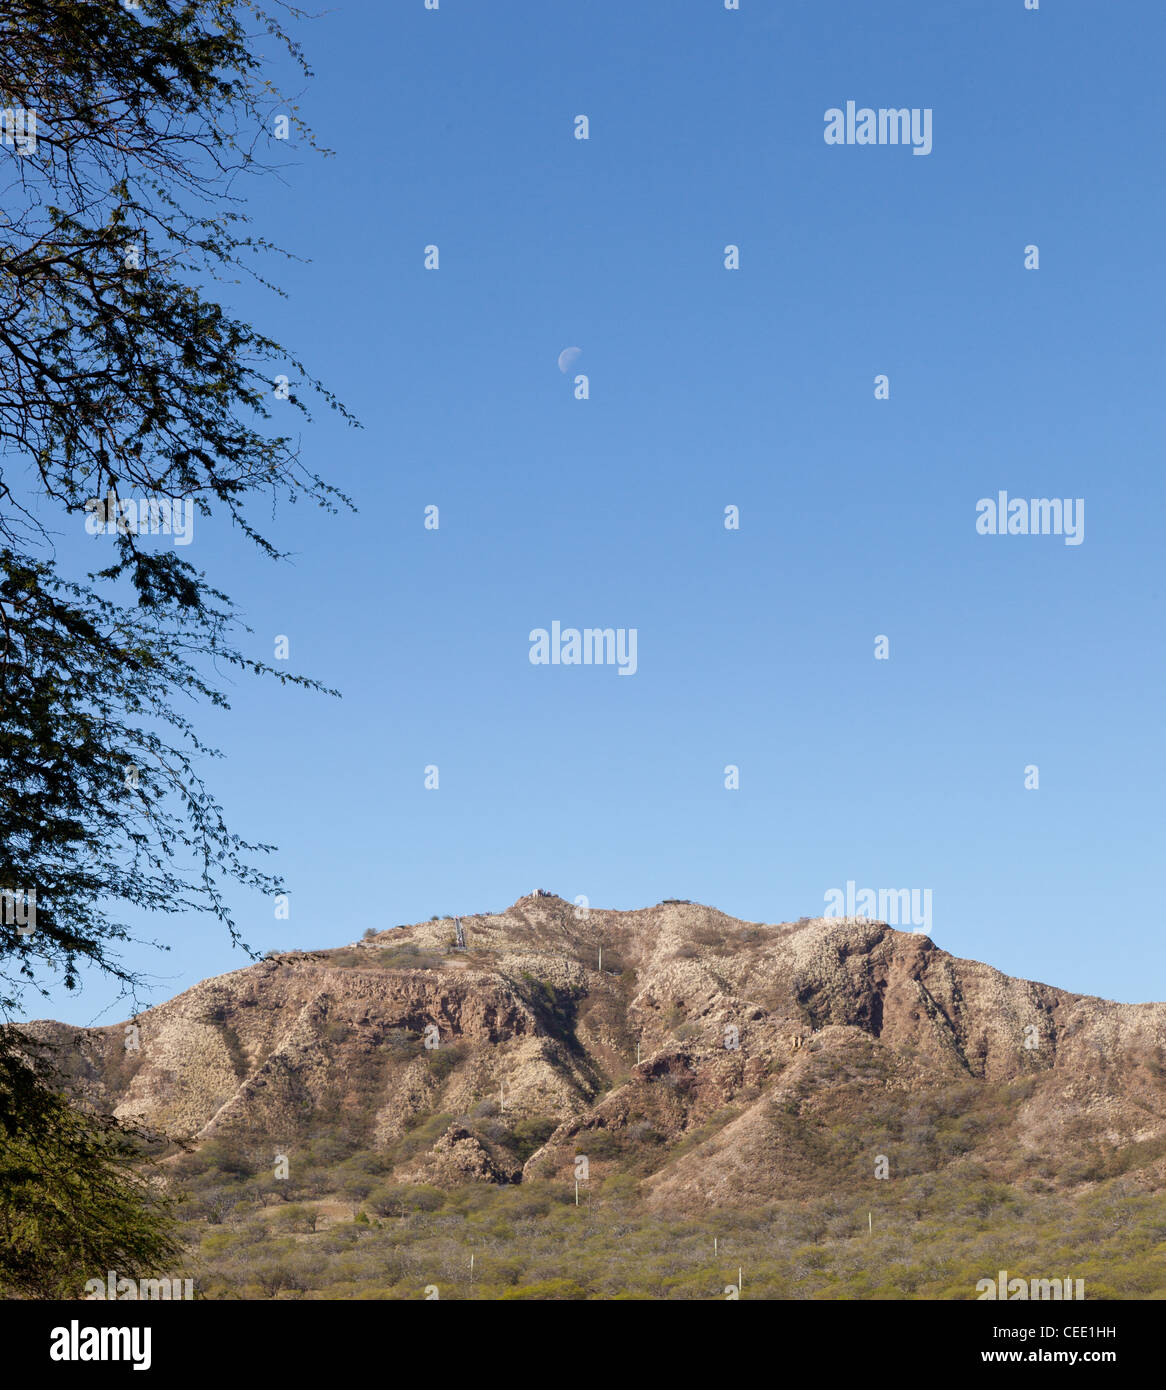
[707,1057]
[461,1156]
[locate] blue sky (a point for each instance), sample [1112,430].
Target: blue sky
[711,387]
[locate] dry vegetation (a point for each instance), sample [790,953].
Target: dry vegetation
[724,1080]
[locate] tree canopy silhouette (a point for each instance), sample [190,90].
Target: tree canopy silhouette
[128,137]
[133,135]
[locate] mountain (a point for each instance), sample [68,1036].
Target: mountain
[714,1062]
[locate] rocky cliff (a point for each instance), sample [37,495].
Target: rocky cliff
[716,1061]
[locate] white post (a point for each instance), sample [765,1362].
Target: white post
[738,1278]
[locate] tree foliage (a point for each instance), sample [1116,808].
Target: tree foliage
[74,1202]
[120,377]
[128,137]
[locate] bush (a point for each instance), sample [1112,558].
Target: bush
[402,1198]
[442,1060]
[530,1134]
[298,1218]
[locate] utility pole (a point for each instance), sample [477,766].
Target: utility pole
[601,960]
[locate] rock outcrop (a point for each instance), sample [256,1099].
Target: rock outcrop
[717,1061]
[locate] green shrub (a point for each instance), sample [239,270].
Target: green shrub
[530,1134]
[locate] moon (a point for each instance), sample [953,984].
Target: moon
[568,357]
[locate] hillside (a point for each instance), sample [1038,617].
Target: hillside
[774,1061]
